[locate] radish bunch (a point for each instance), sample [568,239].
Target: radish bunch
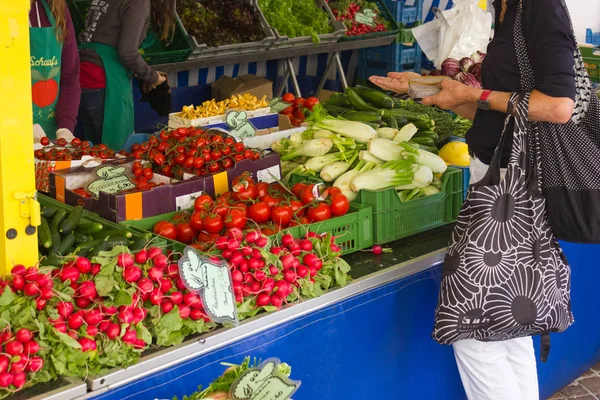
[31,283]
[18,359]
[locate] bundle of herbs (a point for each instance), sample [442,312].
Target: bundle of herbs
[220,22]
[296,18]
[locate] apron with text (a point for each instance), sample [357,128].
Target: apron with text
[46,54]
[118,106]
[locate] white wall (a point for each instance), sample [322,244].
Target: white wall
[584,14]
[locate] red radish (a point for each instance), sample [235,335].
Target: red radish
[236,258]
[177,297]
[23,335]
[74,286]
[87,344]
[92,330]
[125,316]
[255,286]
[139,344]
[312,271]
[192,300]
[221,242]
[262,242]
[19,380]
[335,248]
[235,234]
[184,311]
[247,251]
[302,271]
[248,278]
[295,264]
[13,348]
[82,302]
[252,236]
[132,274]
[287,240]
[306,245]
[226,254]
[35,364]
[289,276]
[233,245]
[109,310]
[287,260]
[310,259]
[160,261]
[6,379]
[276,250]
[244,266]
[246,290]
[173,270]
[93,317]
[156,296]
[165,285]
[40,304]
[64,309]
[31,274]
[253,263]
[295,249]
[83,265]
[276,300]
[239,298]
[18,365]
[113,331]
[263,299]
[96,269]
[283,289]
[145,285]
[125,260]
[47,293]
[69,273]
[268,285]
[88,290]
[166,306]
[273,270]
[196,315]
[153,252]
[31,289]
[237,276]
[44,280]
[256,254]
[138,315]
[61,327]
[130,337]
[260,275]
[18,282]
[4,361]
[103,326]
[318,265]
[75,321]
[6,335]
[18,269]
[155,273]
[179,284]
[141,257]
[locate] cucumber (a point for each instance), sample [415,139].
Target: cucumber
[89,228]
[335,110]
[58,219]
[374,97]
[113,233]
[44,235]
[140,242]
[69,224]
[52,259]
[409,115]
[107,245]
[102,246]
[56,239]
[341,101]
[90,244]
[431,149]
[49,211]
[357,102]
[429,134]
[426,141]
[67,244]
[81,238]
[401,121]
[393,123]
[362,116]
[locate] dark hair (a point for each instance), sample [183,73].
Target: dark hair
[163,17]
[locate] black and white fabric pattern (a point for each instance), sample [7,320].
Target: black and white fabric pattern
[568,153]
[504,274]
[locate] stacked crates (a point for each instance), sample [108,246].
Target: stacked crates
[403,54]
[591,58]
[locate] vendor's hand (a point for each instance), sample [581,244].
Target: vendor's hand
[453,94]
[395,81]
[162,77]
[65,134]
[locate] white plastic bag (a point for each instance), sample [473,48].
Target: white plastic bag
[455,33]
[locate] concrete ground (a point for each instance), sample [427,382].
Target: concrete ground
[586,387]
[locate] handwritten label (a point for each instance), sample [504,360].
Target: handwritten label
[263,383]
[112,180]
[269,175]
[212,281]
[186,201]
[279,106]
[367,17]
[239,125]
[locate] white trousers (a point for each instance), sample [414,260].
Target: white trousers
[496,370]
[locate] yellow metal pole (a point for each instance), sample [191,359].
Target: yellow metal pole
[19,209]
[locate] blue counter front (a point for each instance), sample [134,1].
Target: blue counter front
[368,340]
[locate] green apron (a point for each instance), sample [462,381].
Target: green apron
[118,106]
[46,54]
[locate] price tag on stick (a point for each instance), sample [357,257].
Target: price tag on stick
[212,280]
[263,383]
[112,180]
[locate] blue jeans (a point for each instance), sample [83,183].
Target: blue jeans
[91,115]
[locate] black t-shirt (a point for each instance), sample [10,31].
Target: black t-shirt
[550,47]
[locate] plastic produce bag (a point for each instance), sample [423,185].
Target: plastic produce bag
[455,33]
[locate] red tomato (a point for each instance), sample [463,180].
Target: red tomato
[299,102]
[288,97]
[159,159]
[185,233]
[311,102]
[62,142]
[235,219]
[221,210]
[241,207]
[299,114]
[214,167]
[196,221]
[270,230]
[245,191]
[298,188]
[259,212]
[148,173]
[203,202]
[282,215]
[319,213]
[45,141]
[289,111]
[166,229]
[245,177]
[298,208]
[296,121]
[307,194]
[227,163]
[76,142]
[269,200]
[339,204]
[262,188]
[213,223]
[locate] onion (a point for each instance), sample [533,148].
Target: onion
[450,67]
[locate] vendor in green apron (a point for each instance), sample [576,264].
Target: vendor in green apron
[55,90]
[109,55]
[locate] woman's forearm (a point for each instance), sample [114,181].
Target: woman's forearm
[466,110]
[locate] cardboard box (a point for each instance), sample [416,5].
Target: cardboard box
[226,86]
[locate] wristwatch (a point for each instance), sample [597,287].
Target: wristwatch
[483,103]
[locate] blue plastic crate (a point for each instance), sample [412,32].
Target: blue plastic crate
[466,171]
[592,38]
[136,138]
[364,71]
[403,14]
[391,56]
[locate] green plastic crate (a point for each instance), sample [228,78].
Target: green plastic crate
[405,35]
[385,12]
[353,231]
[393,220]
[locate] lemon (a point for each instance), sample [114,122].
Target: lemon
[456,153]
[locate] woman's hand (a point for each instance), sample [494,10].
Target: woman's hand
[395,81]
[162,77]
[453,95]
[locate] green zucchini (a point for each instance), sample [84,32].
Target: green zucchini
[113,233]
[357,102]
[372,125]
[56,239]
[66,244]
[401,121]
[140,242]
[81,238]
[44,235]
[89,228]
[409,115]
[362,116]
[52,260]
[49,211]
[431,149]
[102,246]
[426,141]
[393,123]
[334,110]
[90,244]
[429,134]
[341,101]
[59,216]
[375,97]
[69,224]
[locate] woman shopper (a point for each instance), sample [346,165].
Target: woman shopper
[109,55]
[504,369]
[54,69]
